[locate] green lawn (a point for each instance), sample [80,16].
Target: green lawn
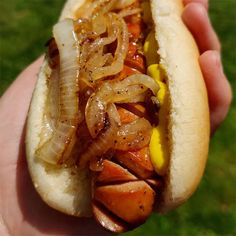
[25,26]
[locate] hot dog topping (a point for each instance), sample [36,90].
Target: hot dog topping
[106,108]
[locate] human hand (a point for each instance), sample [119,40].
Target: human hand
[22,212]
[196,18]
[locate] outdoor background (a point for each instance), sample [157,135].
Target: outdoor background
[25,26]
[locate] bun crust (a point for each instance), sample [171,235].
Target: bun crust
[68,190]
[64,189]
[189,113]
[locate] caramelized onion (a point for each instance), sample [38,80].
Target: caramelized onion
[94,63]
[112,31]
[121,4]
[102,144]
[133,87]
[83,25]
[94,8]
[120,53]
[135,99]
[99,24]
[58,147]
[115,92]
[103,6]
[52,103]
[134,135]
[93,53]
[114,114]
[97,60]
[129,12]
[141,79]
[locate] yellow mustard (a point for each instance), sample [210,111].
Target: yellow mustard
[158,144]
[157,72]
[158,151]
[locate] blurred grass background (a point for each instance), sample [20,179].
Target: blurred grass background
[25,26]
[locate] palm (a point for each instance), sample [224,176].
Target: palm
[22,210]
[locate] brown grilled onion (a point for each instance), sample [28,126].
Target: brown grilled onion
[59,145]
[103,143]
[129,12]
[120,53]
[95,8]
[95,63]
[134,135]
[121,4]
[114,92]
[51,108]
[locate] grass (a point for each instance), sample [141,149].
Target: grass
[26,26]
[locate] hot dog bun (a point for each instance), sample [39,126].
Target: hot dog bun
[189,112]
[68,190]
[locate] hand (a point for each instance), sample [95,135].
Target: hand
[196,18]
[22,212]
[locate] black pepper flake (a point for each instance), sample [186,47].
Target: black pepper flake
[141,207]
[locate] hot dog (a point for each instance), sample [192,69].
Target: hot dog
[119,121]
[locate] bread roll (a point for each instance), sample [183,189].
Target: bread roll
[68,189]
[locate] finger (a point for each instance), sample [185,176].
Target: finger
[196,18]
[203,2]
[218,87]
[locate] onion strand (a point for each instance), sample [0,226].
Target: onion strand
[60,144]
